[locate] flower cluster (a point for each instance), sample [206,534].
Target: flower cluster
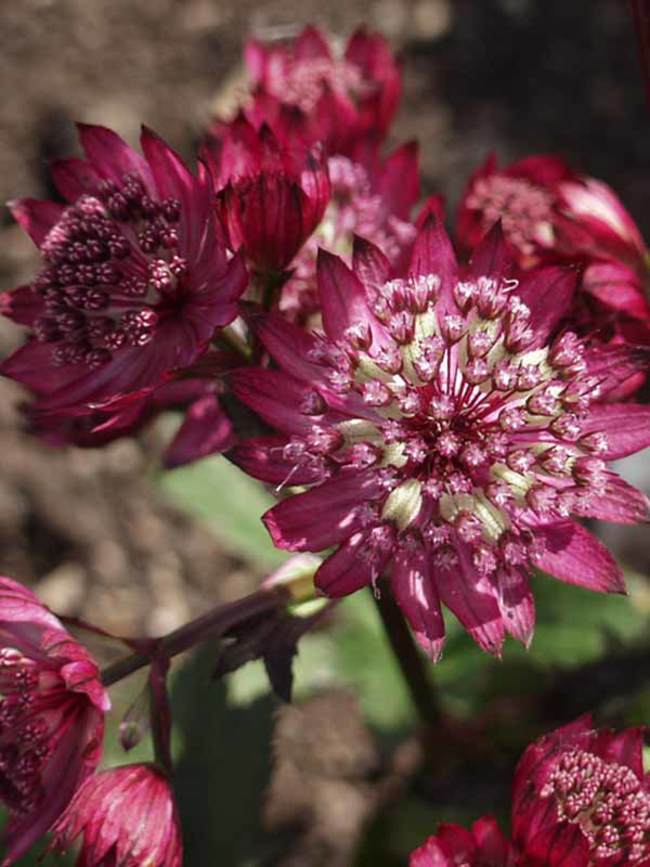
[436,415]
[580,798]
[52,710]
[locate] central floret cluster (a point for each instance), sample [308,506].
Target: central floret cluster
[606,800]
[111,260]
[448,427]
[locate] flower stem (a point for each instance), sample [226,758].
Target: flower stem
[409,659]
[215,622]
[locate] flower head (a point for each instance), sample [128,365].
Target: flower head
[135,278]
[310,89]
[126,817]
[271,195]
[550,214]
[51,717]
[523,196]
[581,794]
[447,434]
[484,846]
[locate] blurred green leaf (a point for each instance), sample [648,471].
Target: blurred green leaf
[222,768]
[230,502]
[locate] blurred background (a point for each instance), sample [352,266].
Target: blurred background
[338,778]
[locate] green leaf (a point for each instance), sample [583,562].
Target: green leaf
[230,503]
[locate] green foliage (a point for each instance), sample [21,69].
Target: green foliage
[230,502]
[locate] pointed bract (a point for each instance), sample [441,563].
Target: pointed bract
[123,817]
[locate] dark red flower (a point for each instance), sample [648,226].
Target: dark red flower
[125,817]
[581,799]
[447,434]
[271,195]
[135,278]
[484,846]
[51,717]
[308,88]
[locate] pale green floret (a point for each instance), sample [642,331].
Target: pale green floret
[403,504]
[394,455]
[358,430]
[518,483]
[494,521]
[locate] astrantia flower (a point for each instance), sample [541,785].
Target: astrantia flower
[581,799]
[373,199]
[310,89]
[134,282]
[125,817]
[551,214]
[447,437]
[484,846]
[271,195]
[523,196]
[52,710]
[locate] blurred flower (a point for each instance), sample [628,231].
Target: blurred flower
[307,88]
[271,195]
[551,214]
[126,817]
[51,717]
[135,277]
[581,798]
[523,196]
[484,846]
[373,199]
[448,435]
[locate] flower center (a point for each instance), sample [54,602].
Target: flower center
[606,800]
[471,430]
[112,266]
[302,82]
[525,210]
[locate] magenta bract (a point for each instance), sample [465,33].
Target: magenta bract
[51,717]
[135,277]
[484,846]
[125,817]
[448,435]
[271,195]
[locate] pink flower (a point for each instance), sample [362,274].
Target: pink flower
[126,817]
[271,196]
[51,717]
[373,199]
[310,89]
[581,798]
[484,846]
[551,214]
[135,278]
[447,434]
[523,196]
